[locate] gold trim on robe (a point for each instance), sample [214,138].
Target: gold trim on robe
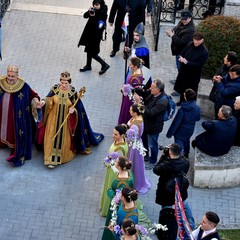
[11,88]
[58,151]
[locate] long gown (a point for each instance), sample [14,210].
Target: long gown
[123,213]
[132,79]
[17,125]
[136,155]
[122,149]
[118,183]
[77,129]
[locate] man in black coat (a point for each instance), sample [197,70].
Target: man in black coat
[117,14]
[192,59]
[136,10]
[236,113]
[168,167]
[181,35]
[219,135]
[155,107]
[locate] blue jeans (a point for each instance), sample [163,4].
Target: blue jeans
[178,64]
[184,144]
[153,145]
[188,213]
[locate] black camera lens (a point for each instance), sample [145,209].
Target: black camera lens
[92,11]
[161,147]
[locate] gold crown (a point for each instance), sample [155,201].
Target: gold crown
[12,68]
[65,76]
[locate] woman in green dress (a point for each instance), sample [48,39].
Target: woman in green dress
[124,178]
[129,230]
[125,207]
[120,146]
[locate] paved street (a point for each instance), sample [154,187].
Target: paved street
[40,204]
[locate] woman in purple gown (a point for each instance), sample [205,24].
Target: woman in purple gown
[136,150]
[134,79]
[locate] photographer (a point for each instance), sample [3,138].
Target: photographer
[93,34]
[171,166]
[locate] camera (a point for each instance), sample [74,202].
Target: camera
[92,10]
[165,151]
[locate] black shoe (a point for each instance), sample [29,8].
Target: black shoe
[175,94]
[86,68]
[104,69]
[172,82]
[180,7]
[113,53]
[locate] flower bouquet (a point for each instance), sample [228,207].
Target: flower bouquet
[143,232]
[110,160]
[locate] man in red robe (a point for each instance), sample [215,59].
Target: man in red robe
[18,104]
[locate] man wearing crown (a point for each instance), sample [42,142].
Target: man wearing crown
[18,108]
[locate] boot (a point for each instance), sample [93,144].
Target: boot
[104,67]
[88,65]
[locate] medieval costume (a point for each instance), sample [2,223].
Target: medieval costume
[122,149]
[63,139]
[136,155]
[133,79]
[118,183]
[17,125]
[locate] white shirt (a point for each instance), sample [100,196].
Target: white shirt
[205,233]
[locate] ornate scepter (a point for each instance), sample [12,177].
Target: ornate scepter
[80,95]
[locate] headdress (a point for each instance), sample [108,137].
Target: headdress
[139,28]
[65,76]
[12,68]
[142,41]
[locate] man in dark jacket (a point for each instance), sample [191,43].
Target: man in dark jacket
[181,35]
[183,124]
[228,87]
[207,230]
[136,10]
[118,10]
[236,113]
[155,107]
[192,59]
[219,135]
[168,167]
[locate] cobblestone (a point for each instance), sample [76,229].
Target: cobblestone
[40,204]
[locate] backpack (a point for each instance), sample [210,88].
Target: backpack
[171,107]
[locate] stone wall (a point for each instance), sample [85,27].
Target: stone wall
[232,8]
[207,107]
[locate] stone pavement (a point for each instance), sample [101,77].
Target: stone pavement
[42,204]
